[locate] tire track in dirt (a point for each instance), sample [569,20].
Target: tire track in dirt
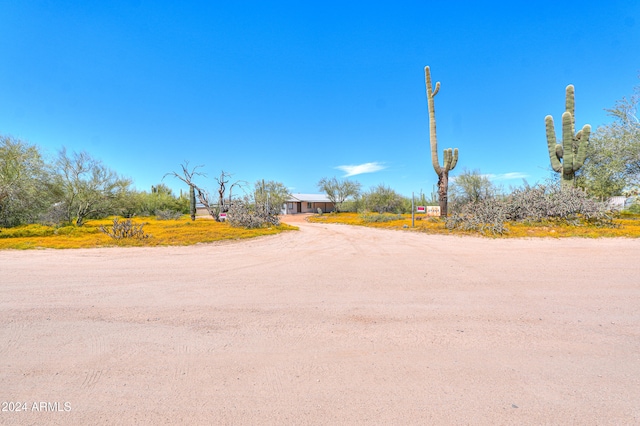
[91,379]
[273,378]
[97,348]
[13,335]
[183,365]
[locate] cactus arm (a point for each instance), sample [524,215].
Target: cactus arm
[570,106]
[455,159]
[450,159]
[559,151]
[446,161]
[583,140]
[432,120]
[554,155]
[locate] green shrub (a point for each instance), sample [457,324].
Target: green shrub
[634,208]
[379,217]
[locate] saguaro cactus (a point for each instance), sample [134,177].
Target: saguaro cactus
[573,150]
[450,155]
[192,202]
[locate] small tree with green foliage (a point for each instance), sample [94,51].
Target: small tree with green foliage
[26,187]
[383,199]
[470,187]
[338,191]
[159,201]
[613,154]
[271,193]
[89,189]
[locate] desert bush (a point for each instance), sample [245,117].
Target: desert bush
[485,217]
[143,203]
[553,202]
[532,204]
[247,214]
[55,215]
[352,205]
[470,187]
[126,229]
[168,215]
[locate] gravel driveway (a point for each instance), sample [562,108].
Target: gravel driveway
[331,324]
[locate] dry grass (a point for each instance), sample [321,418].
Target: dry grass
[178,232]
[628,226]
[185,232]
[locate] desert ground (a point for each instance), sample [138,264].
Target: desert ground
[331,324]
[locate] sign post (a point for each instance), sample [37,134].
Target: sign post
[413,214]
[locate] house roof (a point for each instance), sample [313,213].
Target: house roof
[309,198]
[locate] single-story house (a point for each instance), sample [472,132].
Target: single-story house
[307,203]
[617,203]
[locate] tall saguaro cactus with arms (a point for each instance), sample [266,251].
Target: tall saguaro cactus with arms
[569,157]
[450,155]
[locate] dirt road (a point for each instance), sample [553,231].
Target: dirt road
[331,324]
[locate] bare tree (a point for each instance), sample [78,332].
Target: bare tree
[203,196]
[223,180]
[187,177]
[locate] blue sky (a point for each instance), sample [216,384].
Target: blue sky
[295,91]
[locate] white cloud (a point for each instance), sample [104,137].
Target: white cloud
[508,176]
[352,170]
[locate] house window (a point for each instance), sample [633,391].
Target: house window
[290,206]
[309,206]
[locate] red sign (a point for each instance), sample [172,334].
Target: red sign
[421,209]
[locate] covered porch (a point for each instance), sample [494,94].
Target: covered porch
[307,203]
